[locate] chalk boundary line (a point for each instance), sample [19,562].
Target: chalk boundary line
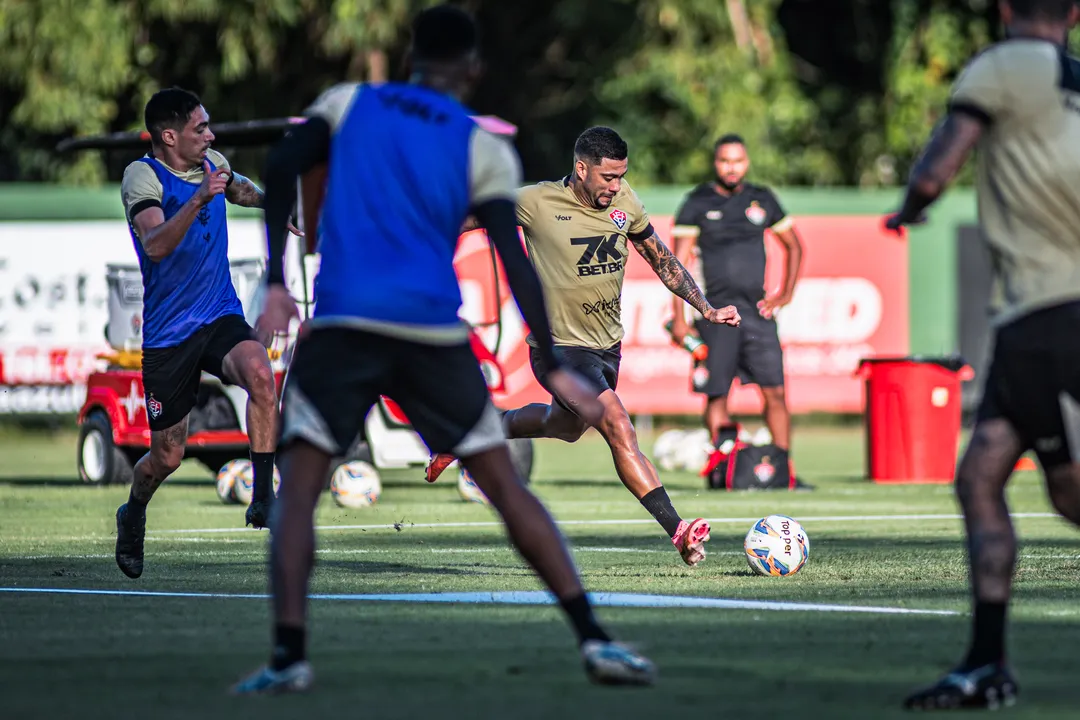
[599,599]
[570,523]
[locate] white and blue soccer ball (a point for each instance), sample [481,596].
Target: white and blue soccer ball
[776,546]
[469,490]
[228,477]
[244,480]
[355,484]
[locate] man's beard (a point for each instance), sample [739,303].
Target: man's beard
[730,187]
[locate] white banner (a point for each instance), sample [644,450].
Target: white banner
[54,304]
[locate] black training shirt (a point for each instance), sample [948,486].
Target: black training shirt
[731,235]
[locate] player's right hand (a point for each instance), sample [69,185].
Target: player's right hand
[213,183]
[279,308]
[577,394]
[724,316]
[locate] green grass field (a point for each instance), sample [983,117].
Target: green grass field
[91,656]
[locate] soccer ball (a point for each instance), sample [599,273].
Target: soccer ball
[469,490]
[227,479]
[776,545]
[355,484]
[664,448]
[245,482]
[693,450]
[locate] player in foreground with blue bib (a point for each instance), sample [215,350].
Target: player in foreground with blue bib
[407,165]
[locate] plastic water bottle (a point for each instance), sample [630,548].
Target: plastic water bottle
[692,344]
[698,350]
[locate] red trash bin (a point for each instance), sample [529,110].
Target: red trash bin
[913,414]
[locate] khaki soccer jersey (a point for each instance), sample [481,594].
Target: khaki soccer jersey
[1028,171]
[580,254]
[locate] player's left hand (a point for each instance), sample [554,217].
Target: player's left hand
[768,307]
[897,224]
[279,308]
[294,230]
[724,316]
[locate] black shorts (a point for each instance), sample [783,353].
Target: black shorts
[599,367]
[338,374]
[171,374]
[1034,382]
[751,352]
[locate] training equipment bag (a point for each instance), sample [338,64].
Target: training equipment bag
[739,465]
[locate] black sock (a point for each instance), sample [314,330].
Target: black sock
[581,615]
[988,643]
[725,433]
[659,506]
[288,646]
[262,465]
[134,505]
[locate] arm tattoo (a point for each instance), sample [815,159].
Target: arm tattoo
[668,268]
[942,158]
[244,192]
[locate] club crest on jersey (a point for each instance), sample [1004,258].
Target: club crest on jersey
[755,213]
[618,217]
[154,406]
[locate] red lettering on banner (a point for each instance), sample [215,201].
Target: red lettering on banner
[851,302]
[47,366]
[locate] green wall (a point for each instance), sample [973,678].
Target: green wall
[933,247]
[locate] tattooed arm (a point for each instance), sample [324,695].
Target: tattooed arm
[943,157]
[241,191]
[678,279]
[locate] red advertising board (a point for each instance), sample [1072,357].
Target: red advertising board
[851,302]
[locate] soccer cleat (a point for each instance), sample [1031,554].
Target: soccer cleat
[258,514]
[129,542]
[438,464]
[610,663]
[689,539]
[988,687]
[298,677]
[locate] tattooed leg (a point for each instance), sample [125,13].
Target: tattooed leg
[166,452]
[980,487]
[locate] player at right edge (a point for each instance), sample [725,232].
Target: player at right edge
[1018,103]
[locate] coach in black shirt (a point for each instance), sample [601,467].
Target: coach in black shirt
[727,219]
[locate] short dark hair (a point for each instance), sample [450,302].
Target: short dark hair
[1052,10]
[729,139]
[444,33]
[598,143]
[169,108]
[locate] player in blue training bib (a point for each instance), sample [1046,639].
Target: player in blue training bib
[406,166]
[174,199]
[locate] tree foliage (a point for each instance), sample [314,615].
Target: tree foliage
[842,92]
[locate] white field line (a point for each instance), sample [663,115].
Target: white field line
[519,598]
[360,551]
[573,523]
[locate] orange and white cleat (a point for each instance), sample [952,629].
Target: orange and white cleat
[689,540]
[438,464]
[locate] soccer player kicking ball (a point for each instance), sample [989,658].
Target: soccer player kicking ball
[193,321]
[406,166]
[577,231]
[1018,102]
